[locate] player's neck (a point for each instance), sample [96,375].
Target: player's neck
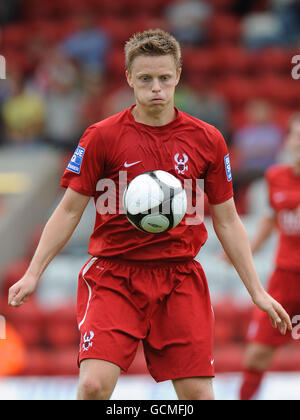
[155,119]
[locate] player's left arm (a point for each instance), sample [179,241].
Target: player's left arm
[234,239]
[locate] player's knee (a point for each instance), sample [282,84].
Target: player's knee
[259,357]
[200,394]
[93,389]
[197,395]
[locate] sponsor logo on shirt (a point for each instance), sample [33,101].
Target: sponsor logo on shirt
[76,160]
[228,167]
[289,221]
[127,165]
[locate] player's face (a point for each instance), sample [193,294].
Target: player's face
[154,80]
[293,140]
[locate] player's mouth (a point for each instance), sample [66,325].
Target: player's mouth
[157,100]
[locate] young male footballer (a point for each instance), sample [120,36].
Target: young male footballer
[141,286]
[283,183]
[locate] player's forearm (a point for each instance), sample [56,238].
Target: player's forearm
[56,234]
[265,230]
[235,242]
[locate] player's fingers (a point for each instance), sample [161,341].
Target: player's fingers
[279,318]
[284,317]
[12,293]
[273,317]
[19,298]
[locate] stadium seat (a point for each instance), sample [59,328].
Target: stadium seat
[287,358]
[238,119]
[237,90]
[35,9]
[282,116]
[27,319]
[16,60]
[12,273]
[225,321]
[64,361]
[278,90]
[14,36]
[222,5]
[116,65]
[232,61]
[273,61]
[224,29]
[39,363]
[229,358]
[60,327]
[198,62]
[117,29]
[62,335]
[52,31]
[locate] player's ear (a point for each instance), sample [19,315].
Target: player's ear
[178,75]
[128,77]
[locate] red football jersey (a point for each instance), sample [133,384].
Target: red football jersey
[119,148]
[284,197]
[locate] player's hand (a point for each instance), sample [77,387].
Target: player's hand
[20,291]
[278,316]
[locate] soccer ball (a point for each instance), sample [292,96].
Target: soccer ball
[155,201]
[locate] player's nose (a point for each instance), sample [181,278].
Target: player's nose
[156,86]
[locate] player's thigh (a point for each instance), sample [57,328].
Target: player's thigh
[97,379]
[197,388]
[259,356]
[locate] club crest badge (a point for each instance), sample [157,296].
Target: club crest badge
[180,163]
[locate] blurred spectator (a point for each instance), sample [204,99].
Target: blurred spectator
[261,30]
[23,114]
[204,104]
[188,19]
[53,68]
[59,79]
[8,10]
[186,99]
[244,7]
[256,145]
[88,45]
[93,102]
[258,142]
[118,100]
[288,12]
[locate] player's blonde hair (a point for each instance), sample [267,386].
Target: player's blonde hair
[152,42]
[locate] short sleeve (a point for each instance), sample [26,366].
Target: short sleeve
[218,178]
[86,166]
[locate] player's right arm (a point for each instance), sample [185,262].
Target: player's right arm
[56,234]
[264,231]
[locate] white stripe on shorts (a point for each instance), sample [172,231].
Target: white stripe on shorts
[85,270]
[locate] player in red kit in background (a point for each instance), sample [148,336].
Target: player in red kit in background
[283,182]
[140,286]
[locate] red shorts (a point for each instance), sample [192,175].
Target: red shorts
[166,305]
[284,286]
